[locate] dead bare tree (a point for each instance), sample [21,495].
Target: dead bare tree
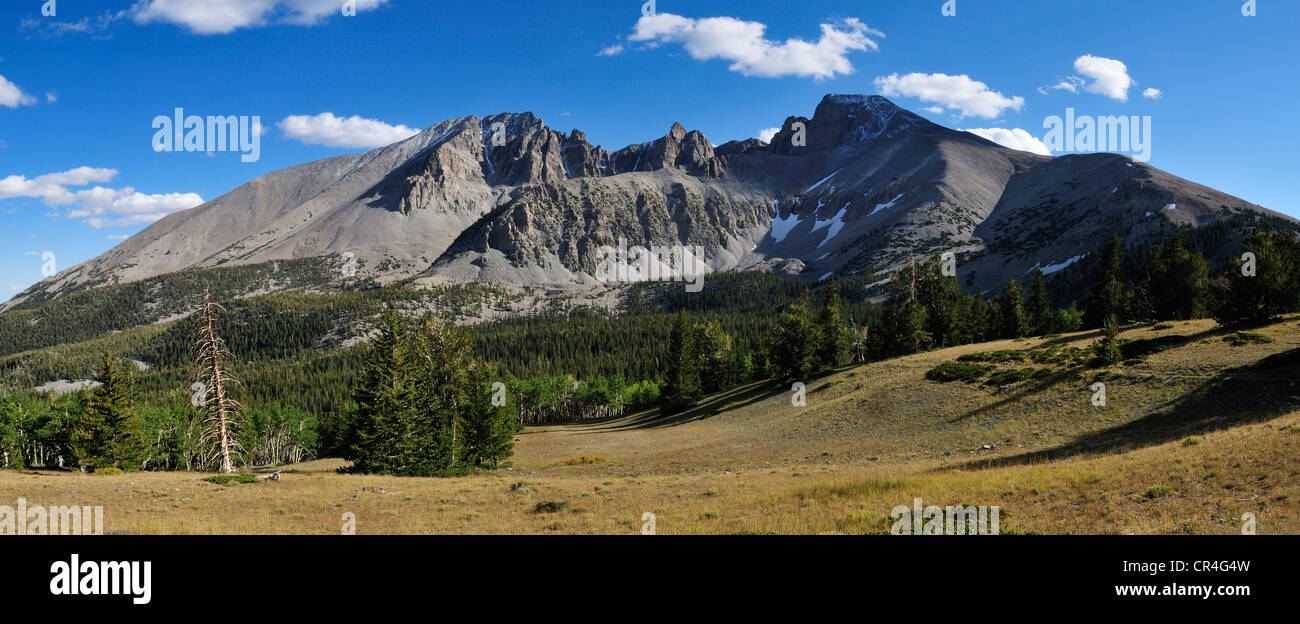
[214,382]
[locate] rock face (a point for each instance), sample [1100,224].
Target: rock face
[861,186]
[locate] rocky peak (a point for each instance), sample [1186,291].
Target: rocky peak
[846,120]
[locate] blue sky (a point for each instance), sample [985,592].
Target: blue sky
[80,89]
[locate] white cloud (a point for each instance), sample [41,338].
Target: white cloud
[613,50]
[743,43]
[12,96]
[1109,76]
[959,93]
[329,130]
[213,17]
[101,207]
[1069,83]
[98,206]
[1152,94]
[936,110]
[1015,138]
[767,134]
[118,237]
[51,187]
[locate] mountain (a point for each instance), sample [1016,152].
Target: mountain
[862,186]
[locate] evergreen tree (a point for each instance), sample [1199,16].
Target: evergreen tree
[384,402]
[1039,309]
[489,429]
[1178,281]
[1107,296]
[794,346]
[109,432]
[1272,288]
[1109,349]
[682,387]
[713,350]
[1011,311]
[835,335]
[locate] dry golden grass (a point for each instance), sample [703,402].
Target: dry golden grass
[1212,429]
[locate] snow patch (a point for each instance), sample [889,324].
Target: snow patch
[1056,268]
[1170,207]
[891,203]
[823,181]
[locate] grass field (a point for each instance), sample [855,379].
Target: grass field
[1200,426]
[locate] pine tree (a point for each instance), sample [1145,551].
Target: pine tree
[835,336]
[489,429]
[1178,281]
[1011,312]
[1107,296]
[712,349]
[1109,349]
[109,432]
[384,401]
[1040,305]
[682,387]
[1271,289]
[794,346]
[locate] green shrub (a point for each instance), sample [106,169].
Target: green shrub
[958,371]
[1192,441]
[1162,326]
[1007,377]
[232,479]
[1241,339]
[994,356]
[1159,491]
[108,471]
[550,507]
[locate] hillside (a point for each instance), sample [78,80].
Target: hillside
[861,187]
[1201,426]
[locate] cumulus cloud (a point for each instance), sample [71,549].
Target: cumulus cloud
[1014,138]
[751,53]
[101,207]
[97,206]
[12,96]
[329,130]
[215,17]
[1152,94]
[970,98]
[613,50]
[767,134]
[1109,77]
[118,237]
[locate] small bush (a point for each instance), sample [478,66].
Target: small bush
[999,357]
[1159,491]
[958,371]
[1192,441]
[1162,326]
[232,478]
[1008,377]
[550,507]
[108,471]
[1241,339]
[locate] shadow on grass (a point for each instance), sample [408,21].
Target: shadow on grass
[1237,396]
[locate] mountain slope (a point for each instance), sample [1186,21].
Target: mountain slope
[862,186]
